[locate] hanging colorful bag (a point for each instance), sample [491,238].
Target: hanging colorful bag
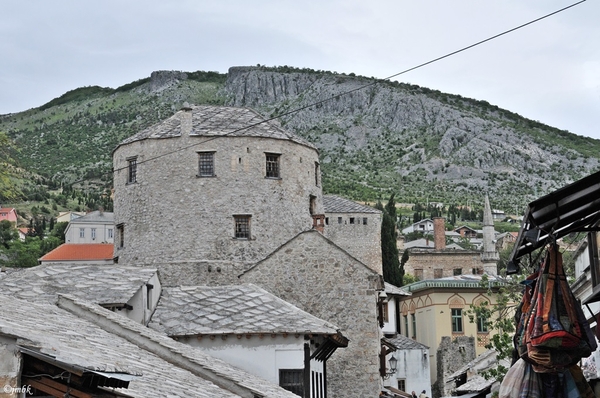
[555,333]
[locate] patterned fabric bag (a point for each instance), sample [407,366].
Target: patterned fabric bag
[554,331]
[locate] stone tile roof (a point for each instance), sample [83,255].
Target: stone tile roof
[235,309]
[395,290]
[73,340]
[100,284]
[219,121]
[404,343]
[336,204]
[80,252]
[96,217]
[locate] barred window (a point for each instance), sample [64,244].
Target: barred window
[242,226]
[132,170]
[273,165]
[206,164]
[292,380]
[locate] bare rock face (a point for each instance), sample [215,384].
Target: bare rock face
[399,132]
[164,79]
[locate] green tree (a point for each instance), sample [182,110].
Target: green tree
[392,272]
[7,233]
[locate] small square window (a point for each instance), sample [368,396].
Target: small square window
[272,165]
[457,271]
[340,220]
[364,220]
[206,164]
[351,220]
[438,273]
[242,226]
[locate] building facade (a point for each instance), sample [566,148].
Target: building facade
[220,196]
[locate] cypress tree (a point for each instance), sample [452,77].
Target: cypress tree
[389,245]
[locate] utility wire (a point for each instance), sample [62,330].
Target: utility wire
[296,110]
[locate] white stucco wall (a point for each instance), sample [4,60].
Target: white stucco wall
[390,325]
[413,368]
[103,235]
[262,357]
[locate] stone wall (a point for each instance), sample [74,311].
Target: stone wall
[172,216]
[452,354]
[424,263]
[315,275]
[10,367]
[359,234]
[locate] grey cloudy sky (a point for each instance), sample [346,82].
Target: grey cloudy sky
[548,71]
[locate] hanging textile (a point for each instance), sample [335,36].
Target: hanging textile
[555,333]
[552,335]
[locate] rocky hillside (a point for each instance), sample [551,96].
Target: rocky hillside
[375,137]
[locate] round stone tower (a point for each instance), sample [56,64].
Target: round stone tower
[212,188]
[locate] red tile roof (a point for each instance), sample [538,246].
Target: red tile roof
[80,251]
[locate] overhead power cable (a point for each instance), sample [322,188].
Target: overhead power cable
[296,110]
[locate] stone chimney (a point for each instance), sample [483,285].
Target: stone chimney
[439,233]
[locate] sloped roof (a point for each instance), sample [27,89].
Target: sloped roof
[336,204]
[80,252]
[203,310]
[219,121]
[395,290]
[404,343]
[100,284]
[68,338]
[95,217]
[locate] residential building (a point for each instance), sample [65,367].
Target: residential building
[9,214]
[247,326]
[424,226]
[438,308]
[95,227]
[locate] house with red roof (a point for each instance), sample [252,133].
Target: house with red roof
[9,214]
[80,253]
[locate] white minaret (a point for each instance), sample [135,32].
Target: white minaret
[490,256]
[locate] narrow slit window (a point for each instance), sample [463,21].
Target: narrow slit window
[132,170]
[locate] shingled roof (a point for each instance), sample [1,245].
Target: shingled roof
[100,284]
[336,204]
[92,339]
[215,121]
[234,309]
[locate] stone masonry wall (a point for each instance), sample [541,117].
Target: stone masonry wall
[452,354]
[315,275]
[172,216]
[447,260]
[359,234]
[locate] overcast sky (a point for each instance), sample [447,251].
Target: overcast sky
[548,71]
